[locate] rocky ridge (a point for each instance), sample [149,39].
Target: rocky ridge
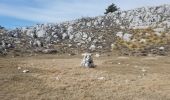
[85,34]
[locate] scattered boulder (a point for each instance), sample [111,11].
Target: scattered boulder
[49,51]
[127,37]
[92,47]
[25,71]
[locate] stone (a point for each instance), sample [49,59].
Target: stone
[41,33]
[161,48]
[100,47]
[119,34]
[49,51]
[101,78]
[142,41]
[19,68]
[113,46]
[3,44]
[25,71]
[70,45]
[70,29]
[65,36]
[127,37]
[87,61]
[92,47]
[143,70]
[37,43]
[97,55]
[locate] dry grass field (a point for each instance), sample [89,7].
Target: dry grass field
[54,77]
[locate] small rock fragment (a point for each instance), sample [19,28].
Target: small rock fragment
[25,71]
[101,78]
[19,68]
[143,70]
[97,55]
[57,78]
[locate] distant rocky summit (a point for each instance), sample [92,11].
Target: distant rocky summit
[95,34]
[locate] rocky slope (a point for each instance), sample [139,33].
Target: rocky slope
[86,34]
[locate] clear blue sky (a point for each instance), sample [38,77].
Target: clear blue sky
[14,13]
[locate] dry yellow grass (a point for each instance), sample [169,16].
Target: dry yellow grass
[54,77]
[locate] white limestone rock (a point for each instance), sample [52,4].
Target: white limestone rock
[92,47]
[161,48]
[41,33]
[25,71]
[127,37]
[119,34]
[64,36]
[97,55]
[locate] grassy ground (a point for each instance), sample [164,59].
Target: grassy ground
[53,77]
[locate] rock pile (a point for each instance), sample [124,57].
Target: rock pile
[87,60]
[86,34]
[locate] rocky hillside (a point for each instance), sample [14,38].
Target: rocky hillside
[86,34]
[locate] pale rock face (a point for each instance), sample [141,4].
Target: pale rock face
[64,36]
[79,44]
[78,36]
[97,55]
[89,24]
[142,40]
[95,23]
[100,47]
[41,33]
[127,37]
[71,37]
[70,29]
[100,37]
[49,51]
[161,48]
[113,46]
[89,39]
[25,71]
[92,47]
[84,36]
[3,44]
[119,34]
[30,32]
[87,60]
[36,43]
[99,20]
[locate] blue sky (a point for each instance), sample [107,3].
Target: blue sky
[16,13]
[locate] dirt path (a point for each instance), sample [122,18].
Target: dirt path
[62,78]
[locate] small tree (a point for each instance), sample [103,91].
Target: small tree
[111,8]
[1,27]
